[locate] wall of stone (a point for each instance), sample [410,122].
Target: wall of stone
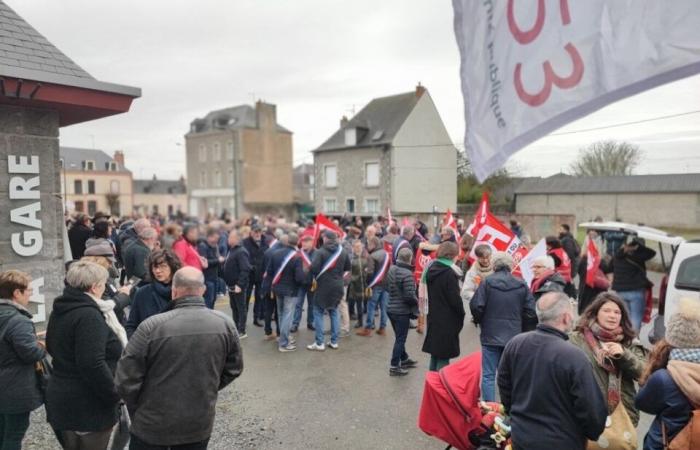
[31,214]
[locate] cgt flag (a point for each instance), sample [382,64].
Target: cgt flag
[499,237]
[323,223]
[450,222]
[593,262]
[527,70]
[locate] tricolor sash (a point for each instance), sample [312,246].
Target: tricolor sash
[305,258]
[272,243]
[401,245]
[287,258]
[379,276]
[331,262]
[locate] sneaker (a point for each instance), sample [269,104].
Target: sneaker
[358,325]
[344,333]
[292,340]
[409,363]
[381,332]
[270,337]
[288,348]
[397,371]
[364,332]
[242,336]
[294,329]
[316,347]
[333,346]
[412,324]
[311,327]
[257,324]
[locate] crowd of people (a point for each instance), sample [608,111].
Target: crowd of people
[138,318]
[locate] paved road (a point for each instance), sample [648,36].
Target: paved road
[341,399]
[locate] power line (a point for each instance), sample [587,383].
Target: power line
[624,124]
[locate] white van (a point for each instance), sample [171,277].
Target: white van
[680,260]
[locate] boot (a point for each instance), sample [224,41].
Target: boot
[421,324]
[381,332]
[364,332]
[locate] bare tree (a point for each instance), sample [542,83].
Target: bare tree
[607,158]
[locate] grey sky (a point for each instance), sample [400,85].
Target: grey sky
[315,59]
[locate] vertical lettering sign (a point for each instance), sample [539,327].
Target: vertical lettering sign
[24,183]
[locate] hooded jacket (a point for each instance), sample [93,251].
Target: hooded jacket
[19,350]
[81,395]
[149,300]
[501,306]
[330,288]
[445,312]
[671,394]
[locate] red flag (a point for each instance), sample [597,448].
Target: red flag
[421,262]
[499,237]
[450,222]
[323,223]
[593,262]
[388,214]
[480,216]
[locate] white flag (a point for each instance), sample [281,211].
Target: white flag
[525,264]
[530,67]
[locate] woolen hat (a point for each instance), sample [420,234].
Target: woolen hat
[99,248]
[683,329]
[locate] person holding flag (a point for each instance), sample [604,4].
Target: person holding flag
[592,269]
[306,253]
[328,267]
[288,275]
[378,287]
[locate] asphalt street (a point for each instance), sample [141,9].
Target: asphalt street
[336,399]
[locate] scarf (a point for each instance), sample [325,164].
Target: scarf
[107,308]
[538,282]
[685,354]
[594,335]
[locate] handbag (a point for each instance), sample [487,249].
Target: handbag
[619,433]
[686,439]
[43,370]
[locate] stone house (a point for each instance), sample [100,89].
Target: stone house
[239,160]
[165,197]
[93,181]
[395,153]
[671,200]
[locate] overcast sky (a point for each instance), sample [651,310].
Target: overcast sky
[316,60]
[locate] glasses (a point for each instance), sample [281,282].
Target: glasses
[538,267]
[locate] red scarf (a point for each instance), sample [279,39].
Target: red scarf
[538,282]
[594,335]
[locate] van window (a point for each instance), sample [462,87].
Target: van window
[689,274]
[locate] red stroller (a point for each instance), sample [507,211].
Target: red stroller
[451,412]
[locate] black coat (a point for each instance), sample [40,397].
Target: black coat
[256,252]
[237,268]
[403,298]
[330,288]
[500,305]
[135,259]
[150,299]
[629,269]
[445,312]
[548,388]
[292,276]
[77,237]
[81,395]
[19,351]
[211,254]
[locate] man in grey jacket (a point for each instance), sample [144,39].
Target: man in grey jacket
[173,367]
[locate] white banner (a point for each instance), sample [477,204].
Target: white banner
[530,67]
[526,263]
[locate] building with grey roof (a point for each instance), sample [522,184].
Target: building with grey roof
[395,153]
[671,200]
[165,197]
[239,161]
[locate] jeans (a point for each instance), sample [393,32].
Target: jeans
[12,429]
[490,357]
[221,288]
[437,363]
[271,314]
[636,303]
[210,293]
[285,313]
[380,296]
[304,293]
[400,323]
[318,323]
[259,306]
[138,444]
[239,310]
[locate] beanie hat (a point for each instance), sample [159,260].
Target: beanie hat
[683,329]
[98,247]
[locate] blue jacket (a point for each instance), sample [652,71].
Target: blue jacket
[662,397]
[211,254]
[292,277]
[501,304]
[150,299]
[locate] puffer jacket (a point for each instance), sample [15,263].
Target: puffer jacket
[170,378]
[501,305]
[403,297]
[630,366]
[19,350]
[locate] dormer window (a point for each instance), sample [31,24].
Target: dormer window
[351,136]
[89,165]
[111,166]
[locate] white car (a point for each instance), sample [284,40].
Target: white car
[681,276]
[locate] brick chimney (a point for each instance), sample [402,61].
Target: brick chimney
[419,90]
[266,114]
[119,158]
[344,122]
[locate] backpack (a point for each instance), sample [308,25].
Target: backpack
[686,439]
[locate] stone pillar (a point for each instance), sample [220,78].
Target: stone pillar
[31,209]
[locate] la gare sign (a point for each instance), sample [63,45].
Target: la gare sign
[24,181]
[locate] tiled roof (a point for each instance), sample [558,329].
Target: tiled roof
[382,117]
[26,54]
[566,184]
[155,186]
[73,158]
[236,117]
